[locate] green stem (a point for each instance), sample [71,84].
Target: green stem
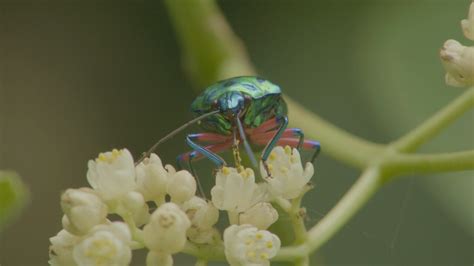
[201,262]
[302,262]
[436,123]
[410,164]
[366,186]
[297,215]
[350,204]
[211,49]
[208,252]
[137,234]
[136,245]
[336,142]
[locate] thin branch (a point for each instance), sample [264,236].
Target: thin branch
[297,215]
[366,186]
[350,204]
[211,50]
[208,252]
[335,142]
[201,262]
[436,123]
[302,262]
[410,164]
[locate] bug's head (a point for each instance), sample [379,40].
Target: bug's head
[231,104]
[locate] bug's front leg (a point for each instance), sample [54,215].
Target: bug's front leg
[210,151]
[307,145]
[283,121]
[196,154]
[293,137]
[201,137]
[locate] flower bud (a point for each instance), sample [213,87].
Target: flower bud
[60,251]
[105,245]
[166,230]
[288,177]
[158,259]
[112,174]
[152,178]
[246,245]
[83,210]
[468,24]
[458,60]
[181,186]
[134,203]
[261,215]
[67,225]
[202,214]
[234,191]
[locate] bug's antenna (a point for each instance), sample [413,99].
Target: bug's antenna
[174,132]
[246,143]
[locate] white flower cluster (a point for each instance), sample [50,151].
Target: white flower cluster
[123,188]
[458,60]
[248,204]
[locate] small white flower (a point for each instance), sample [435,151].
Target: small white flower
[166,230]
[159,259]
[152,178]
[458,60]
[246,245]
[60,251]
[201,213]
[181,186]
[134,203]
[261,215]
[234,191]
[105,245]
[287,174]
[112,174]
[83,210]
[468,24]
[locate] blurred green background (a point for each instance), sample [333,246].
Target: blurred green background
[81,77]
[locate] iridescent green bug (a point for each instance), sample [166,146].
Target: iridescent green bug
[240,109]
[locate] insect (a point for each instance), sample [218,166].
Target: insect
[238,110]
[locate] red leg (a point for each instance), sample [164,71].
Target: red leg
[209,137]
[219,141]
[290,141]
[266,136]
[216,148]
[266,126]
[293,142]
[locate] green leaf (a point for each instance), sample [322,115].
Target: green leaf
[13,195]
